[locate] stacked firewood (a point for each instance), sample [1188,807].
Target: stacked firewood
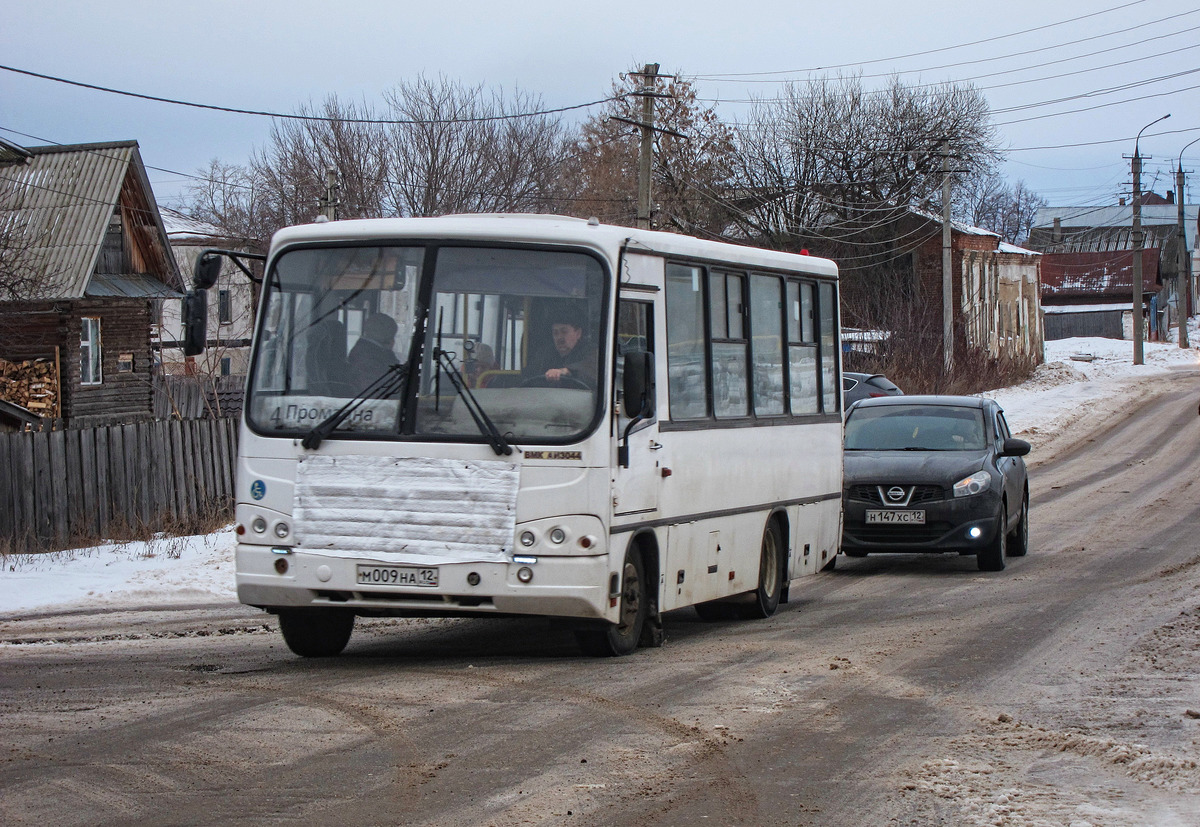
[32,385]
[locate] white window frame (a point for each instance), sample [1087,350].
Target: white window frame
[91,356]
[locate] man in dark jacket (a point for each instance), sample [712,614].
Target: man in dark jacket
[574,356]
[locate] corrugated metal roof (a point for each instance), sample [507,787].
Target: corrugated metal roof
[1153,215]
[1096,275]
[65,197]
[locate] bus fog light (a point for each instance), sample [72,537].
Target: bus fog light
[281,530]
[259,525]
[527,538]
[473,579]
[281,565]
[976,532]
[525,574]
[558,536]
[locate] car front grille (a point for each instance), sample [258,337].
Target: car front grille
[921,493]
[899,534]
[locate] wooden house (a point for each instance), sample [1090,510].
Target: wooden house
[90,266]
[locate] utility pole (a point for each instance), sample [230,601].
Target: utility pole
[1138,238]
[1185,257]
[645,158]
[947,265]
[330,202]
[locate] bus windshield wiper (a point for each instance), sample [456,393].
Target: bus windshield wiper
[388,383]
[482,421]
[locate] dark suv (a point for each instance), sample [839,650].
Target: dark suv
[932,474]
[856,386]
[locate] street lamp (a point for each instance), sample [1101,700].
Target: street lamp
[1138,238]
[1183,258]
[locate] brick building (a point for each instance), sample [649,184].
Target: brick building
[997,306]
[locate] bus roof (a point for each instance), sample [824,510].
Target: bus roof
[550,229]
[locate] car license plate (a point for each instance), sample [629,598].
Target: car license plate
[897,517]
[397,576]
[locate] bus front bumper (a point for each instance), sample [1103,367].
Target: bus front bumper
[575,586]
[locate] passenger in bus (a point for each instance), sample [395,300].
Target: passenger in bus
[480,361]
[372,354]
[574,357]
[326,359]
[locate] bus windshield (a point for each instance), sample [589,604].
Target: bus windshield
[520,329]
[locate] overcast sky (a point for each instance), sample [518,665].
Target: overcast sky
[272,55]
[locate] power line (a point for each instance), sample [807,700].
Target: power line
[927,52]
[213,107]
[1056,46]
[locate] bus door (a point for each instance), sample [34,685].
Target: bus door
[636,486]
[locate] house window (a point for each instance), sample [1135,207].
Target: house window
[226,366]
[224,308]
[89,351]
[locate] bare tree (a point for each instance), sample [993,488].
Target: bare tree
[692,169]
[832,165]
[988,201]
[458,149]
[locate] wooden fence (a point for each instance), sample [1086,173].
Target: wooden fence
[59,486]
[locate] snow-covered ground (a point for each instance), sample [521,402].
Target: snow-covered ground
[200,568]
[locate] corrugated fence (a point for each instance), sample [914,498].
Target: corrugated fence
[58,486]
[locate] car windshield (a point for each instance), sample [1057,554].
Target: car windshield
[340,322]
[915,428]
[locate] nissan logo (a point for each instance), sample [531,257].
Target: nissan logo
[895,493]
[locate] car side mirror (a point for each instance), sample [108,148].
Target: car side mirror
[1015,448]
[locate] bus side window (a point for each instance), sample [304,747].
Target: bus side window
[633,334]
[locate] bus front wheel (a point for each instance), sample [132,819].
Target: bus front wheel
[621,638]
[316,633]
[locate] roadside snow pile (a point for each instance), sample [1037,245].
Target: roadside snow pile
[163,570]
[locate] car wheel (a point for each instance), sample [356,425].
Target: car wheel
[770,577]
[992,557]
[1018,541]
[316,633]
[622,637]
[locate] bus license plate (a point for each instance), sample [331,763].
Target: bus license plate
[397,576]
[897,517]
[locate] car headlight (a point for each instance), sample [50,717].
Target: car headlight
[974,484]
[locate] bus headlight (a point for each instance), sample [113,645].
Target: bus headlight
[281,530]
[558,536]
[259,525]
[527,539]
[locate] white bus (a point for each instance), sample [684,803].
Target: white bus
[534,415]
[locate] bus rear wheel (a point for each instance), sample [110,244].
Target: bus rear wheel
[621,638]
[770,576]
[316,633]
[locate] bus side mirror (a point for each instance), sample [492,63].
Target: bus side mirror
[206,271]
[637,393]
[195,322]
[637,396]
